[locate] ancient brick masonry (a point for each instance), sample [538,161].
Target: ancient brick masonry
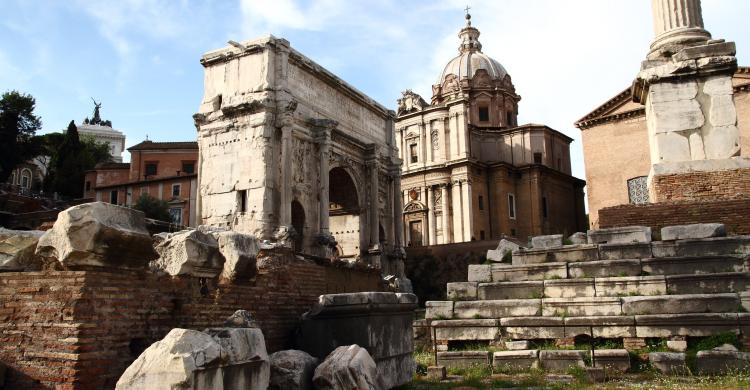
[81,329]
[726,184]
[733,213]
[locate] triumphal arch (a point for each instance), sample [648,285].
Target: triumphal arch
[291,153]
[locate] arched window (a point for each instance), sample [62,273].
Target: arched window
[26,178]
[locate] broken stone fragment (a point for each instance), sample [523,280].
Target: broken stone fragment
[189,252]
[240,252]
[189,359]
[17,249]
[292,370]
[347,367]
[240,319]
[98,234]
[503,248]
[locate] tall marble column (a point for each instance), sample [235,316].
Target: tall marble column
[677,22]
[431,222]
[374,171]
[444,213]
[285,119]
[398,220]
[468,206]
[323,138]
[458,212]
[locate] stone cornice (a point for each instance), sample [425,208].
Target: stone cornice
[638,112]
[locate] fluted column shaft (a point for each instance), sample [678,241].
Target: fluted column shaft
[677,22]
[285,209]
[324,141]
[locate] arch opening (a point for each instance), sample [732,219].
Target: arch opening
[344,211]
[298,223]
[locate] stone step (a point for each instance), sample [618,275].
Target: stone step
[694,265]
[463,359]
[511,290]
[562,360]
[630,285]
[605,268]
[715,246]
[612,359]
[678,304]
[567,253]
[497,308]
[516,273]
[515,360]
[708,283]
[581,306]
[606,327]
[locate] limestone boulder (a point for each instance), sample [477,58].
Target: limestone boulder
[98,234]
[693,231]
[503,248]
[347,367]
[189,252]
[292,370]
[17,250]
[240,252]
[189,359]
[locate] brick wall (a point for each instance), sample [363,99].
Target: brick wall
[727,184]
[733,213]
[81,329]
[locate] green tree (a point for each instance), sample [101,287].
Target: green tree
[18,124]
[153,208]
[71,158]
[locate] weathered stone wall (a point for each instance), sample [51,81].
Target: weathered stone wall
[81,329]
[732,213]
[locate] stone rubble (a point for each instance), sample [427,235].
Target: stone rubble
[17,250]
[503,248]
[189,252]
[347,367]
[292,370]
[100,235]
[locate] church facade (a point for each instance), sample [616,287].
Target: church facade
[469,171]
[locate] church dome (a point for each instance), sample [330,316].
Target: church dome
[470,58]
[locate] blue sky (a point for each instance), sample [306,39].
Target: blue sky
[141,58]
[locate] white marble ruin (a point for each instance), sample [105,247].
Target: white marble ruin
[686,85]
[291,153]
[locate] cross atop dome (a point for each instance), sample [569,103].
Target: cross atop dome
[468,16]
[469,36]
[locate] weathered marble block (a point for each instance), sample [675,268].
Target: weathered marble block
[438,309]
[569,288]
[604,268]
[677,304]
[693,265]
[620,235]
[511,290]
[694,231]
[519,360]
[669,363]
[708,283]
[463,359]
[529,272]
[530,328]
[694,324]
[631,285]
[497,308]
[579,307]
[519,345]
[601,326]
[546,242]
[561,360]
[721,362]
[480,273]
[462,291]
[612,359]
[503,248]
[466,330]
[619,251]
[714,246]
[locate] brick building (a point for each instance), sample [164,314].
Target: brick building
[163,170]
[470,172]
[616,147]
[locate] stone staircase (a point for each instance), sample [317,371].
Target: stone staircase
[615,284]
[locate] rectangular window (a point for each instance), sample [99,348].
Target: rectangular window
[513,232]
[509,119]
[113,197]
[413,153]
[188,167]
[176,214]
[88,186]
[242,201]
[537,158]
[484,114]
[176,190]
[481,202]
[511,206]
[481,234]
[544,207]
[150,168]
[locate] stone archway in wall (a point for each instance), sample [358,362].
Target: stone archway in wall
[298,223]
[345,213]
[415,223]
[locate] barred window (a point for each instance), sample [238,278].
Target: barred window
[638,190]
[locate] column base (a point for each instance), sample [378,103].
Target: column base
[327,245]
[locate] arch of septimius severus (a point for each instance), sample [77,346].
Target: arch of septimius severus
[291,153]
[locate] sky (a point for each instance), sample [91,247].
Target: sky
[140,58]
